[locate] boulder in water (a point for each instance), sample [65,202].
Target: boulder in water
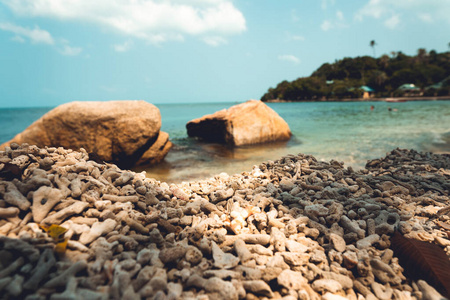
[252,122]
[116,131]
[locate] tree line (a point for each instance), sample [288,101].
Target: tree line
[428,71]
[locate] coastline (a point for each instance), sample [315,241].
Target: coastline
[348,132]
[295,227]
[437,98]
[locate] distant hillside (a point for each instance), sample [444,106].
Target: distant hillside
[429,72]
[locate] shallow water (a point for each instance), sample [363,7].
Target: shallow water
[348,132]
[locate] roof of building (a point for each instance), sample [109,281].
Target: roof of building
[434,86]
[408,87]
[365,88]
[443,82]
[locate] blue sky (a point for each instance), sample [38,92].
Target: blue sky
[173,51]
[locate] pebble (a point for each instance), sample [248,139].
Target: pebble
[338,242]
[326,285]
[294,228]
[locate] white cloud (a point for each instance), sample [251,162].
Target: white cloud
[297,38]
[326,25]
[152,20]
[18,39]
[123,47]
[215,41]
[325,3]
[40,36]
[388,11]
[289,58]
[35,35]
[339,22]
[294,17]
[372,9]
[427,18]
[70,51]
[392,22]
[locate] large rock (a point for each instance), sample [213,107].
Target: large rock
[252,122]
[116,131]
[157,151]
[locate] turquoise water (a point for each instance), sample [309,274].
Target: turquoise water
[15,120]
[348,132]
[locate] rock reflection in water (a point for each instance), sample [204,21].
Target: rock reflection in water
[190,159]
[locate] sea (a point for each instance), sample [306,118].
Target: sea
[350,132]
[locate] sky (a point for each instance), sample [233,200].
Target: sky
[186,51]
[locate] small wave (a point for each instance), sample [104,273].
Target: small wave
[440,143]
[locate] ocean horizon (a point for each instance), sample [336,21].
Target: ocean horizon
[344,131]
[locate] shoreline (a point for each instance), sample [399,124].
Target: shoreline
[190,158]
[437,98]
[295,227]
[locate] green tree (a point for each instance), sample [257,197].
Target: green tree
[433,56]
[372,44]
[344,77]
[422,55]
[383,61]
[377,80]
[429,74]
[403,76]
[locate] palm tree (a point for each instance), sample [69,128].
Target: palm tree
[421,55]
[380,78]
[372,44]
[384,61]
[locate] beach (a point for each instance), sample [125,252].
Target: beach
[291,228]
[224,150]
[349,132]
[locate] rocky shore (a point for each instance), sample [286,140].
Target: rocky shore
[295,228]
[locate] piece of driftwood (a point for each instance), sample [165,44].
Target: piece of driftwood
[423,260]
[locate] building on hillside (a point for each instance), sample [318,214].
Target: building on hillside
[409,89]
[441,88]
[363,91]
[367,92]
[434,86]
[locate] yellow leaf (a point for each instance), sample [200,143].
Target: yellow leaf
[44,227]
[61,246]
[57,232]
[54,231]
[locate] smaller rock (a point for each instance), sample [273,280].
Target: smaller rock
[225,289]
[330,296]
[172,255]
[193,255]
[291,280]
[338,242]
[223,260]
[294,246]
[367,241]
[326,285]
[258,287]
[350,259]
